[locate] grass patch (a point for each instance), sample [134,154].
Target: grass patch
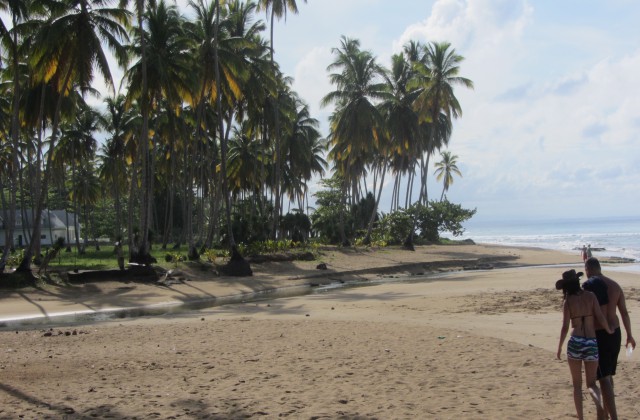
[103,259]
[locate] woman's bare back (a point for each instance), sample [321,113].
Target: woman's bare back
[582,316]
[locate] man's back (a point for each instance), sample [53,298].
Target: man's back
[615,301]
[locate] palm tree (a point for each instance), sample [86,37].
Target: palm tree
[302,154]
[223,143]
[236,49]
[436,105]
[166,53]
[7,170]
[358,129]
[279,9]
[202,30]
[243,161]
[69,51]
[445,169]
[121,124]
[403,82]
[402,124]
[169,81]
[140,250]
[39,103]
[78,146]
[242,77]
[10,39]
[85,192]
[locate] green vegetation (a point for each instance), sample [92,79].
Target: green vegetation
[389,229]
[206,143]
[440,216]
[106,258]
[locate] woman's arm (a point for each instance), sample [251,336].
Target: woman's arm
[565,327]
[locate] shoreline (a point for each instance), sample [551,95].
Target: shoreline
[270,284]
[187,289]
[480,344]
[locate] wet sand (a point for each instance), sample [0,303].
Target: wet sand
[474,344]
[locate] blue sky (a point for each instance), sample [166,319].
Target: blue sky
[551,128]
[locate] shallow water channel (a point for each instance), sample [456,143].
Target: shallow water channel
[182,308]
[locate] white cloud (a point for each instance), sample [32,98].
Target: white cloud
[554,116]
[311,81]
[531,132]
[466,24]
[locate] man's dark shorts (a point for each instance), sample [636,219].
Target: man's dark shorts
[608,350]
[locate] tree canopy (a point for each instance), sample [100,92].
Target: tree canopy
[205,139]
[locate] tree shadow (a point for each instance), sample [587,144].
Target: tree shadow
[61,409]
[224,409]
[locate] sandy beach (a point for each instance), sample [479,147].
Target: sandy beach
[457,341]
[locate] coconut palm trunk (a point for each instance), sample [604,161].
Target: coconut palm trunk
[25,264]
[223,143]
[19,12]
[374,212]
[142,246]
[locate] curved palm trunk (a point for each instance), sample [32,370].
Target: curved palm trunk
[223,141]
[15,134]
[423,199]
[367,238]
[202,203]
[88,228]
[13,176]
[142,247]
[214,207]
[168,210]
[117,204]
[411,176]
[8,232]
[343,203]
[25,264]
[131,208]
[393,193]
[424,193]
[277,193]
[276,199]
[76,208]
[66,216]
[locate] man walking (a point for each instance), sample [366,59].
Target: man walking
[611,299]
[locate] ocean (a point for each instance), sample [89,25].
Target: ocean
[611,237]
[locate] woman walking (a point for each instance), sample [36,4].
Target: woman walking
[579,309]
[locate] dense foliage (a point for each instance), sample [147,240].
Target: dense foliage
[428,222]
[440,216]
[204,143]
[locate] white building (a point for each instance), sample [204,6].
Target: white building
[53,226]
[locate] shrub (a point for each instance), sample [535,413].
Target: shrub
[440,216]
[15,258]
[392,228]
[174,257]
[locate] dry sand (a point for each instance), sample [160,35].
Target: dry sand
[469,345]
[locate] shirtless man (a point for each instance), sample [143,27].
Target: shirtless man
[611,298]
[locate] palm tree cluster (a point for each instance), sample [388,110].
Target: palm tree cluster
[203,120]
[391,120]
[204,135]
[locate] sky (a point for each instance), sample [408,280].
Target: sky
[550,130]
